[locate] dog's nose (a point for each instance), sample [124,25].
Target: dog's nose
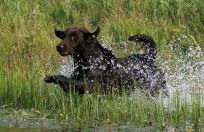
[59,47]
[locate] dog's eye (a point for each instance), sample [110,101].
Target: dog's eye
[73,36]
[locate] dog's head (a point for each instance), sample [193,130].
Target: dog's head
[76,40]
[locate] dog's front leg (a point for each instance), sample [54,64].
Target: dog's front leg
[56,79]
[65,83]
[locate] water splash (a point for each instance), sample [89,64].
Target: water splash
[68,67]
[184,71]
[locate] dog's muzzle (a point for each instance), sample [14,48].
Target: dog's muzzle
[61,50]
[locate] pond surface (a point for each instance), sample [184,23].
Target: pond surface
[98,129]
[15,129]
[19,124]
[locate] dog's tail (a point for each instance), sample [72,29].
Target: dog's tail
[150,53]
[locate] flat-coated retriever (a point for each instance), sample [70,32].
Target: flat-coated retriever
[96,66]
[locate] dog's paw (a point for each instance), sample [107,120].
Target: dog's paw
[165,93]
[49,79]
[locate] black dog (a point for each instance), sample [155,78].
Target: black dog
[95,64]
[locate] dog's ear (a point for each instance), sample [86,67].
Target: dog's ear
[94,34]
[60,34]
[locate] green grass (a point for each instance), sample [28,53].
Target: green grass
[27,54]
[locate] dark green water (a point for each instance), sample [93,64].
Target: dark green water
[98,129]
[15,129]
[32,124]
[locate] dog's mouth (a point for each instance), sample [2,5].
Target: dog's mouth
[64,53]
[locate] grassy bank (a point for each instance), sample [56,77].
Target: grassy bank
[27,54]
